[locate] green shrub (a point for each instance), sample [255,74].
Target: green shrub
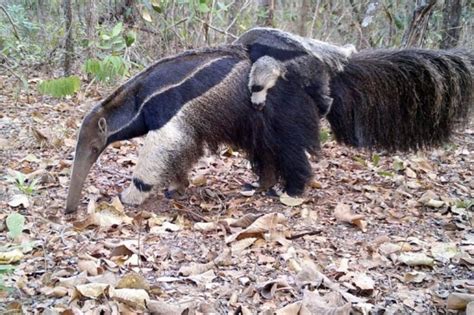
[60,87]
[107,69]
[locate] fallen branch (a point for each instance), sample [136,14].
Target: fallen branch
[298,235]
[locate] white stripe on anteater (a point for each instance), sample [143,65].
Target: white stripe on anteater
[170,151]
[164,89]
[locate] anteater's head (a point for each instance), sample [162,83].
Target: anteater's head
[91,142]
[263,76]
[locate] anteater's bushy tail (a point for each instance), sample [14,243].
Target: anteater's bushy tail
[401,99]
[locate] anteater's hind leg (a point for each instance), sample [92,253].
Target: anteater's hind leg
[295,169]
[167,156]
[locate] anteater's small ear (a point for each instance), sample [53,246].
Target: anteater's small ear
[102,125]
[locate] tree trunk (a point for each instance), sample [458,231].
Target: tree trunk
[304,12]
[69,45]
[91,21]
[415,33]
[451,24]
[267,7]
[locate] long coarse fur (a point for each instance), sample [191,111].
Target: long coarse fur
[401,99]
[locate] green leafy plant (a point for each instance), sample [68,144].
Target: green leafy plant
[360,160]
[5,270]
[107,69]
[60,87]
[112,40]
[324,135]
[113,63]
[465,204]
[23,184]
[385,173]
[375,159]
[15,224]
[398,165]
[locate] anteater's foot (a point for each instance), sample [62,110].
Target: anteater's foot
[174,194]
[250,186]
[273,192]
[132,196]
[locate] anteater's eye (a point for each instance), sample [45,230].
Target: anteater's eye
[256,88]
[95,150]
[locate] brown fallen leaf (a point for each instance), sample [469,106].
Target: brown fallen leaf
[414,277]
[203,278]
[136,298]
[444,252]
[268,289]
[40,137]
[309,274]
[364,283]
[313,303]
[459,301]
[56,292]
[290,201]
[290,309]
[410,173]
[261,226]
[19,200]
[104,215]
[195,268]
[238,246]
[89,266]
[90,290]
[161,308]
[343,213]
[14,307]
[470,308]
[199,180]
[431,199]
[11,256]
[133,280]
[206,226]
[416,259]
[246,220]
[71,282]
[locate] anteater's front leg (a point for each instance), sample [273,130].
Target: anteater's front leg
[147,172]
[167,152]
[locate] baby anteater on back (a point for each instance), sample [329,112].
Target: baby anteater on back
[280,55]
[263,76]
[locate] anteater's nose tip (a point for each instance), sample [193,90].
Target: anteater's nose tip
[70,210]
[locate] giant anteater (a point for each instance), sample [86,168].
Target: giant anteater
[392,99]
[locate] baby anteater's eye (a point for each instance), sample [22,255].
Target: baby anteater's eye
[256,88]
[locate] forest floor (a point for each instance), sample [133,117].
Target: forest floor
[374,233]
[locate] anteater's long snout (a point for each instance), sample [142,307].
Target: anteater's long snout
[80,170]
